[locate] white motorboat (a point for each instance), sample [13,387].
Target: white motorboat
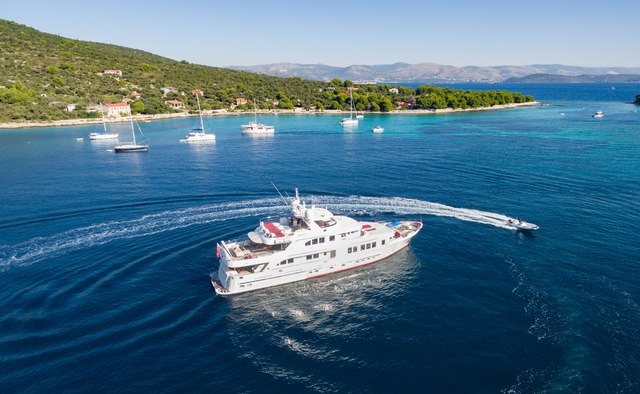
[128,147]
[378,129]
[521,225]
[598,114]
[350,121]
[255,128]
[198,134]
[105,135]
[311,242]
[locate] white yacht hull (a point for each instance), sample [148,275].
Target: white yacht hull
[230,282]
[101,137]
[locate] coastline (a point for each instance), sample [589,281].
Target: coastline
[224,112]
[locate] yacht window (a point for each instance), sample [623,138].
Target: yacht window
[368,246]
[333,254]
[316,255]
[308,257]
[362,247]
[307,243]
[382,242]
[373,245]
[349,250]
[332,238]
[315,241]
[290,261]
[322,240]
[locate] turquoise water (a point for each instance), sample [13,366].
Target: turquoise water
[105,259]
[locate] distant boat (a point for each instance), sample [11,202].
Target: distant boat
[104,135]
[80,139]
[598,114]
[132,146]
[350,121]
[255,128]
[521,225]
[198,134]
[361,116]
[378,129]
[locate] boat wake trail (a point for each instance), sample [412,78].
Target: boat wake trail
[39,248]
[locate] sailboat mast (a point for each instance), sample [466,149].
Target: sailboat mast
[255,111]
[351,103]
[104,124]
[200,112]
[133,131]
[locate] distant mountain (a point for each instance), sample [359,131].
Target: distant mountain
[426,72]
[544,78]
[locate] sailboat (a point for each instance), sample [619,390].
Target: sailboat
[131,146]
[103,136]
[198,134]
[350,121]
[255,128]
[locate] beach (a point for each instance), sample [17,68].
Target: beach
[224,112]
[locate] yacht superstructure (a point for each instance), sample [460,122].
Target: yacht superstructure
[311,242]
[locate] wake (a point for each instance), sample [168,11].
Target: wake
[39,248]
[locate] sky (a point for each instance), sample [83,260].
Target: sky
[342,33]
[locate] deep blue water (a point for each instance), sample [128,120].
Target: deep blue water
[105,259]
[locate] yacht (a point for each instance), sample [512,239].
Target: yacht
[105,135]
[350,121]
[598,114]
[198,134]
[255,128]
[378,129]
[311,242]
[131,146]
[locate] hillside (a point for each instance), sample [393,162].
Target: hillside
[34,64]
[426,72]
[42,74]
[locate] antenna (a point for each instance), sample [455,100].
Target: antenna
[283,199]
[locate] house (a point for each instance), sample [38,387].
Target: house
[70,107]
[197,92]
[393,90]
[136,95]
[126,100]
[116,109]
[403,104]
[175,104]
[169,89]
[43,95]
[241,101]
[116,73]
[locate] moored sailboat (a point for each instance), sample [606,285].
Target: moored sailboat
[131,146]
[199,134]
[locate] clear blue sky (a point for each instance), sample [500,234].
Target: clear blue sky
[341,33]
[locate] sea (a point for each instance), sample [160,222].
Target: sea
[106,259]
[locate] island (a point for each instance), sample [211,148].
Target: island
[46,79]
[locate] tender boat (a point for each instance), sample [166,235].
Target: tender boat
[378,129]
[128,147]
[311,242]
[255,128]
[350,121]
[521,225]
[598,114]
[198,134]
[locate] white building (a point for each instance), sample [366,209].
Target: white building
[393,90]
[116,109]
[116,73]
